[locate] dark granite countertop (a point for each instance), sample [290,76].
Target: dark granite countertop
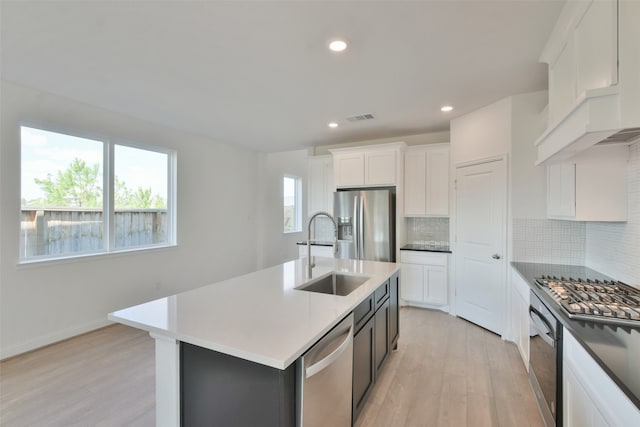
[316,243]
[614,348]
[426,247]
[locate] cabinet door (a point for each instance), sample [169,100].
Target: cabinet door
[579,410]
[412,282]
[380,167]
[520,325]
[394,311]
[562,83]
[596,45]
[435,284]
[363,312]
[561,190]
[415,181]
[437,182]
[348,169]
[381,294]
[590,396]
[363,366]
[381,329]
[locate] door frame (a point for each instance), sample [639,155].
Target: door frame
[506,246]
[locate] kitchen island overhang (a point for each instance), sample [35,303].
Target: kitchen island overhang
[260,317]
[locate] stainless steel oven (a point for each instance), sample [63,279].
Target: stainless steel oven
[545,361]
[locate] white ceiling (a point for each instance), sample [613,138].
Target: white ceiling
[258,74]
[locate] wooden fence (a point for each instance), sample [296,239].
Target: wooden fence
[73,230]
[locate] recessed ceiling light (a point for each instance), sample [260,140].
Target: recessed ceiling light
[333,125]
[338,45]
[446,108]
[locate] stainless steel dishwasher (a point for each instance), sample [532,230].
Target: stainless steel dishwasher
[325,378]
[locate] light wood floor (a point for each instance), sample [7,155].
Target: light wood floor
[446,372]
[103,378]
[449,372]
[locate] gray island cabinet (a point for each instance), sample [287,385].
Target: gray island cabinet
[227,353]
[376,332]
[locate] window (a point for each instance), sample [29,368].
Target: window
[292,204]
[85,195]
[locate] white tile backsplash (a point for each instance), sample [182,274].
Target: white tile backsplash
[548,241]
[421,229]
[322,229]
[614,248]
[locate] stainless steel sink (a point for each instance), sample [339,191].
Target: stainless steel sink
[334,284]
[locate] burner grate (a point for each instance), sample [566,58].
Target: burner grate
[602,300]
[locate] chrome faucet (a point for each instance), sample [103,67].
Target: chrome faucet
[335,239]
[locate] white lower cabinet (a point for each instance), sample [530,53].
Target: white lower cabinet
[424,278]
[591,398]
[520,315]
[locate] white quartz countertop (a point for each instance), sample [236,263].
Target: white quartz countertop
[260,316]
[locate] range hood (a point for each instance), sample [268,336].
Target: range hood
[595,119]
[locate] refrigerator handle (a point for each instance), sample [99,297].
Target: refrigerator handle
[361,229]
[355,227]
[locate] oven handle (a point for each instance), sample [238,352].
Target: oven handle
[546,338]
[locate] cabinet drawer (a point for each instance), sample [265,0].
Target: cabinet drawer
[381,294]
[425,258]
[363,313]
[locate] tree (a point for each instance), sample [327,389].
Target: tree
[76,186]
[141,198]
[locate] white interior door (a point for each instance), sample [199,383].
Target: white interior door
[481,206]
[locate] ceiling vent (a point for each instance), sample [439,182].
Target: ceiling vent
[360,118]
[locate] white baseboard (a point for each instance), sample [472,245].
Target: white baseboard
[32,344]
[406,303]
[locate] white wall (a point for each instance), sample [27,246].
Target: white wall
[276,247]
[528,182]
[483,133]
[217,224]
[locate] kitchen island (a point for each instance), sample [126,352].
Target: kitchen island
[258,320]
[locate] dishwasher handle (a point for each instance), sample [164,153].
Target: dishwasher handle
[320,365]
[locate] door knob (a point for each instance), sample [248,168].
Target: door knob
[495,256]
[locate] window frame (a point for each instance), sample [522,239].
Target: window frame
[297,203]
[108,193]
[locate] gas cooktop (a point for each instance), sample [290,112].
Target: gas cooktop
[595,300]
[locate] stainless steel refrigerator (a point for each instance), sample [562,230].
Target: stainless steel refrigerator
[366,224]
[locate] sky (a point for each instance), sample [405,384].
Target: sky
[44,152]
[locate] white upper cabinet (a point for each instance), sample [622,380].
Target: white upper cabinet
[590,187]
[321,186]
[426,180]
[380,167]
[587,58]
[596,47]
[561,190]
[370,166]
[594,64]
[349,169]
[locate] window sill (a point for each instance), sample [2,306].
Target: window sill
[66,259]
